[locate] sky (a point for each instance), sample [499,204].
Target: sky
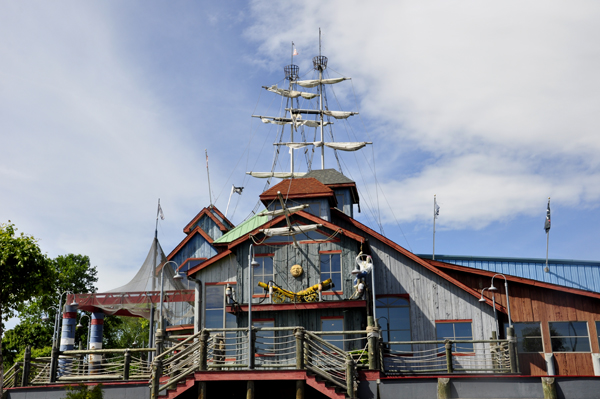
[107,106]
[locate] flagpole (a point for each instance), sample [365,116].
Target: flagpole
[547,227]
[433,254]
[208,176]
[151,326]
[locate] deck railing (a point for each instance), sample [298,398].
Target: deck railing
[334,356]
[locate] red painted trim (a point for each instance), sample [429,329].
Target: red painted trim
[333,293]
[209,262]
[414,257]
[272,319]
[189,260]
[300,306]
[69,315]
[405,296]
[97,322]
[197,230]
[222,227]
[301,242]
[207,212]
[332,317]
[455,321]
[521,280]
[247,375]
[180,327]
[264,255]
[222,216]
[335,251]
[219,283]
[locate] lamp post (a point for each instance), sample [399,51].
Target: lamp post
[252,263]
[482,299]
[79,325]
[177,276]
[492,288]
[388,325]
[57,317]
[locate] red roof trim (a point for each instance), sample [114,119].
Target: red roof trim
[222,216]
[208,262]
[208,213]
[521,280]
[189,237]
[414,257]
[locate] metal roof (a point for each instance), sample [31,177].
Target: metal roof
[242,229]
[583,275]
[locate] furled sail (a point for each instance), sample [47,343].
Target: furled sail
[309,123]
[276,121]
[279,212]
[290,93]
[297,120]
[339,114]
[316,82]
[280,175]
[290,231]
[343,146]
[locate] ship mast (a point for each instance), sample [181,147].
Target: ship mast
[320,63]
[291,74]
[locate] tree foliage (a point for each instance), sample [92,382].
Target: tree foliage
[83,392]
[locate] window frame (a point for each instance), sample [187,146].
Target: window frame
[330,253]
[225,304]
[456,352]
[406,297]
[552,338]
[521,339]
[259,258]
[342,336]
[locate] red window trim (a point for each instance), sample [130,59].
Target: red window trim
[189,259]
[405,296]
[335,251]
[267,319]
[332,317]
[332,293]
[455,321]
[222,283]
[264,255]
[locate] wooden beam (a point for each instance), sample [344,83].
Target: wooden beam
[300,306]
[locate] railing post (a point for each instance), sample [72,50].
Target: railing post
[54,362]
[159,341]
[512,349]
[219,350]
[18,373]
[350,376]
[26,367]
[203,350]
[372,337]
[156,374]
[299,334]
[380,349]
[448,346]
[127,360]
[252,344]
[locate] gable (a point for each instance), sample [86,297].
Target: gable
[196,245]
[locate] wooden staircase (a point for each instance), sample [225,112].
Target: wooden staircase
[325,387]
[180,388]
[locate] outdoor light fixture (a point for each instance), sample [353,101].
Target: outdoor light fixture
[482,299]
[252,263]
[162,287]
[79,325]
[492,288]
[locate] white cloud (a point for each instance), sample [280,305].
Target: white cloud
[498,99]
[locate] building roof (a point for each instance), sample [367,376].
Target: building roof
[583,275]
[328,176]
[242,229]
[298,188]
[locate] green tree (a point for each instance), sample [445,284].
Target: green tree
[24,272]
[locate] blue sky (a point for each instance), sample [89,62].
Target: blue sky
[107,106]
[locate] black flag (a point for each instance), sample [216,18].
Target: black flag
[547,224]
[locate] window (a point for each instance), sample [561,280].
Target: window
[529,337]
[331,267]
[263,272]
[569,336]
[215,315]
[335,323]
[455,330]
[394,319]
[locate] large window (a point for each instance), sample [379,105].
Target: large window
[331,267]
[569,336]
[455,330]
[263,272]
[335,323]
[529,337]
[394,319]
[215,315]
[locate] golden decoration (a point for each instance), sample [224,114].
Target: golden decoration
[296,270]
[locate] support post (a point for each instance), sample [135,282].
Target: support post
[449,357]
[127,361]
[202,390]
[300,384]
[350,376]
[26,367]
[96,333]
[54,362]
[444,388]
[549,388]
[159,341]
[373,337]
[67,337]
[299,334]
[512,349]
[156,374]
[250,390]
[203,350]
[252,347]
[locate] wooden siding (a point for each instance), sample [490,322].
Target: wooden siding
[347,206]
[537,304]
[209,226]
[196,247]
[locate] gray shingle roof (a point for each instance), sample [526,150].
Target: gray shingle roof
[328,176]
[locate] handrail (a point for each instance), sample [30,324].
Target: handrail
[174,348]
